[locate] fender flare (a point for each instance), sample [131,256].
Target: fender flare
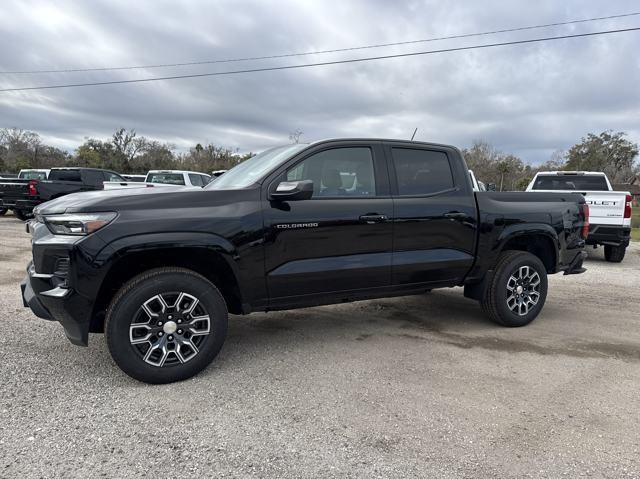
[529,229]
[116,250]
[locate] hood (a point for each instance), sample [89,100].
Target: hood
[136,199]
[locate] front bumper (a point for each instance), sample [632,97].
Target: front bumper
[48,299]
[609,235]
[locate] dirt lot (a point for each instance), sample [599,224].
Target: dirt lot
[407,387]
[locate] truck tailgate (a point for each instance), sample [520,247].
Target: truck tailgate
[13,190]
[605,207]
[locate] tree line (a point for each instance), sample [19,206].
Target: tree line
[127,152]
[608,151]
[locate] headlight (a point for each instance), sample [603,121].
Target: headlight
[80,224]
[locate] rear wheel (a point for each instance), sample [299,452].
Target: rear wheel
[614,254]
[166,325]
[517,291]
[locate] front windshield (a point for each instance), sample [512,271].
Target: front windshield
[253,169]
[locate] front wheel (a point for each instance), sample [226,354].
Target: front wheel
[517,291]
[3,211]
[166,325]
[614,254]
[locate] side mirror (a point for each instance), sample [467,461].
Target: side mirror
[293,191]
[491,187]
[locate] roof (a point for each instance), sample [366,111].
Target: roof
[179,172]
[395,140]
[567,172]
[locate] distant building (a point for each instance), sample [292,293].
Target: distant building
[633,187]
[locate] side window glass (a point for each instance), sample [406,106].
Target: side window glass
[92,177]
[109,176]
[342,172]
[195,179]
[421,172]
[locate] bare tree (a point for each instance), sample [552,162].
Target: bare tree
[126,146]
[295,135]
[19,148]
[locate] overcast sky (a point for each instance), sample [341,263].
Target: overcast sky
[530,100]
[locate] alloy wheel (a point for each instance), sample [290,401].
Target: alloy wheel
[523,290]
[169,328]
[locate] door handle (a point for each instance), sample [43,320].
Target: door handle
[455,215]
[373,218]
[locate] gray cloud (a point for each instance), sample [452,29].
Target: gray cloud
[530,100]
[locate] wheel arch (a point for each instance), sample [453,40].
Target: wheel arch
[540,240]
[211,259]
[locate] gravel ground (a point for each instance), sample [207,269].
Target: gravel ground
[421,386]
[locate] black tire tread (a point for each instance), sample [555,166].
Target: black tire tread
[146,276]
[614,254]
[489,302]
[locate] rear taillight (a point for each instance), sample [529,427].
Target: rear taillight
[585,224]
[33,189]
[627,206]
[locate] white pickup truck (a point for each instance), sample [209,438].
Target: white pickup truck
[34,174]
[609,211]
[163,178]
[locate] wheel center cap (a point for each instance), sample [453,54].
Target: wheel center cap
[169,327]
[519,290]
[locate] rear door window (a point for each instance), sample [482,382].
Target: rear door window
[93,177]
[111,176]
[421,172]
[196,180]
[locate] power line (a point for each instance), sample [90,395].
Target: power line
[308,65]
[336,50]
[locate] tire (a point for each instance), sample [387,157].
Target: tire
[504,302]
[22,215]
[158,350]
[3,211]
[614,254]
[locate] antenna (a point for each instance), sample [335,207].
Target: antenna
[414,134]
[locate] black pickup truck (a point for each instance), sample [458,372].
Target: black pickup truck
[22,196]
[157,269]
